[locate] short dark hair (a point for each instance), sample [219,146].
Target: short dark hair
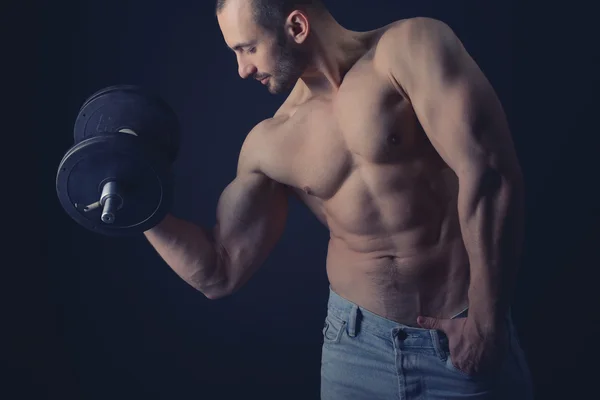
[271,14]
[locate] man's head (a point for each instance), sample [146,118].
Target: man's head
[269,38]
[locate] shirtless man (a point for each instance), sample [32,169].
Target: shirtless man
[398,144]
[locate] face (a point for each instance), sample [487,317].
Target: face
[276,59]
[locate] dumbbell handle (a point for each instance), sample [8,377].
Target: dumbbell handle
[92,206]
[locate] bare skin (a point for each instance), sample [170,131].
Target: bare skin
[361,162]
[356,145]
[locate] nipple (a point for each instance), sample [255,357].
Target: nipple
[394,140]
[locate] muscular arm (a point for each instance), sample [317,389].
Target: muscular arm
[465,122]
[251,215]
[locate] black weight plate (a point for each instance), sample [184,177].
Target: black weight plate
[141,172]
[129,107]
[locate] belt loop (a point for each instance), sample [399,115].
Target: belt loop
[352,321]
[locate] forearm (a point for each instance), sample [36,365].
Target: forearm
[491,215]
[191,252]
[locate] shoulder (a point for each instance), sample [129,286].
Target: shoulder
[257,146]
[411,38]
[415,50]
[412,31]
[250,152]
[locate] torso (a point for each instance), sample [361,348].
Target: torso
[362,163]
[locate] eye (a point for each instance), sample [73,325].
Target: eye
[252,50]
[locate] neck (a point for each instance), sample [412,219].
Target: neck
[334,50]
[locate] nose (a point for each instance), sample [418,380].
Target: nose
[246,70]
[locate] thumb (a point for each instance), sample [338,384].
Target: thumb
[429,322]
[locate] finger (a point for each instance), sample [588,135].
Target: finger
[429,322]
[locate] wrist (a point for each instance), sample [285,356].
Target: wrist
[486,320]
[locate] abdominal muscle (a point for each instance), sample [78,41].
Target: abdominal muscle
[399,253]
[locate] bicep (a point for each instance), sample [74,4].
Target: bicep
[251,213]
[251,216]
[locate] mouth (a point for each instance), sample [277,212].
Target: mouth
[264,81]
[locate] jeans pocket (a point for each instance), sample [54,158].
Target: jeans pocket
[333,330]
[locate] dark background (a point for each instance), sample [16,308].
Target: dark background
[91,317]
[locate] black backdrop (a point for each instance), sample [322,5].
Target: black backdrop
[91,317]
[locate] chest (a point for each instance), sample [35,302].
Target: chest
[378,124]
[326,140]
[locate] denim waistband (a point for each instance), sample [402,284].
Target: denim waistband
[357,317]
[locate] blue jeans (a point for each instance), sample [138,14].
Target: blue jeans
[366,356]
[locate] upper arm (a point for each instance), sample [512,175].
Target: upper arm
[454,102]
[251,215]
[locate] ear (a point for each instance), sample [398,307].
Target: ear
[297,26]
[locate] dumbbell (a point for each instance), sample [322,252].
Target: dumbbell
[116,179]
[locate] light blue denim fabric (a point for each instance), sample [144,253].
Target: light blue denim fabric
[368,357]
